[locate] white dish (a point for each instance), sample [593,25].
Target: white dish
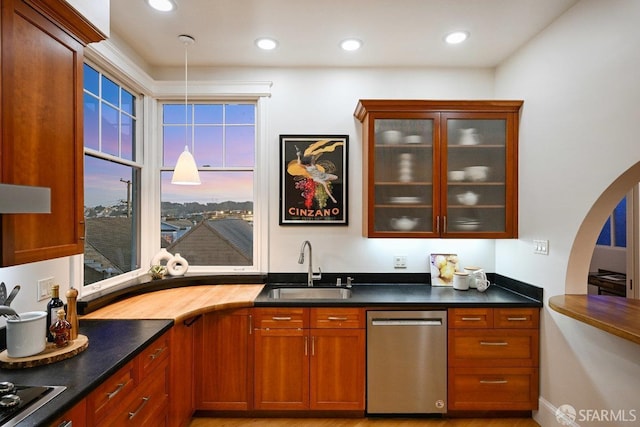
[391,137]
[405,200]
[476,173]
[468,226]
[456,176]
[413,139]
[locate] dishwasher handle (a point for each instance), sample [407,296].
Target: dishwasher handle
[406,322]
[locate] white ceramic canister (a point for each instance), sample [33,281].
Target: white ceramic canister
[461,280]
[27,336]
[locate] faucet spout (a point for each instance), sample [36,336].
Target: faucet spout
[310,276]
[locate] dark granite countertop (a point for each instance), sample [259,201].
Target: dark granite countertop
[411,291]
[112,343]
[408,295]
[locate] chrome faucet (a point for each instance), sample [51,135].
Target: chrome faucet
[310,276]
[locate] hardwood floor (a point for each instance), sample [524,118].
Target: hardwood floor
[362,422]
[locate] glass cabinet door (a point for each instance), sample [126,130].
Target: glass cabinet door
[403,175]
[476,173]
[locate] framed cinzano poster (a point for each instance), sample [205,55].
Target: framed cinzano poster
[313,179]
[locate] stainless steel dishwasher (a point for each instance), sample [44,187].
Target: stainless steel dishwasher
[407,362]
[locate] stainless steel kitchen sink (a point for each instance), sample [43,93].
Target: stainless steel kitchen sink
[309,293]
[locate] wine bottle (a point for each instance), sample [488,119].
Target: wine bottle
[53,306]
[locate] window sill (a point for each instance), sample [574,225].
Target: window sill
[615,315]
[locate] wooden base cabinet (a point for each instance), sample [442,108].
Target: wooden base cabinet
[493,359]
[223,359]
[182,403]
[309,359]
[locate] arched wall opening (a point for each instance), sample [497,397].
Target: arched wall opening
[582,249]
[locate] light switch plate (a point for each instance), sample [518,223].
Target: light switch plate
[399,261]
[44,288]
[541,247]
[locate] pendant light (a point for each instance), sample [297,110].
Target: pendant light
[186,171]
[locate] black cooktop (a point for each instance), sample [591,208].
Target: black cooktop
[19,401]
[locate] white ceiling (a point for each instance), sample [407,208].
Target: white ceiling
[396,33]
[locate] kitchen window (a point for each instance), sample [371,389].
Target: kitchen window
[111,178]
[210,225]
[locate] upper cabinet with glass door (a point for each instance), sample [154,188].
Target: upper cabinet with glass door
[440,168]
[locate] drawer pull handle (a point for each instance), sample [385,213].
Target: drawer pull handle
[516,319]
[116,391]
[493,381]
[144,402]
[281,318]
[337,319]
[471,319]
[493,343]
[157,353]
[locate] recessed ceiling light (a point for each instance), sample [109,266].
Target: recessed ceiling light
[351,44]
[266,43]
[456,37]
[162,5]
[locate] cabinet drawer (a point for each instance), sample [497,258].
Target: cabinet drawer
[281,317]
[493,389]
[516,318]
[470,318]
[146,402]
[113,392]
[348,318]
[493,347]
[154,355]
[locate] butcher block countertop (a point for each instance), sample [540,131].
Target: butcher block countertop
[179,303]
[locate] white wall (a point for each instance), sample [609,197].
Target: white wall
[579,133]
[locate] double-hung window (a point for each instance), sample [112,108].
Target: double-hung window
[210,225]
[111,178]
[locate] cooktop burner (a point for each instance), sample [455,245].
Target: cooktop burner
[18,402]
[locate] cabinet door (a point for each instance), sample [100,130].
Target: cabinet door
[403,175]
[41,141]
[74,416]
[337,369]
[181,374]
[281,369]
[224,350]
[480,174]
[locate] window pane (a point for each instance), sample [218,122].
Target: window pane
[211,223]
[127,105]
[126,137]
[208,146]
[240,114]
[240,146]
[91,122]
[109,130]
[110,195]
[91,80]
[620,224]
[175,114]
[208,114]
[605,234]
[110,91]
[173,144]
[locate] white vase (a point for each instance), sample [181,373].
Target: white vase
[177,265]
[161,256]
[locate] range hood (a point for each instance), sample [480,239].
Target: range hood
[24,199]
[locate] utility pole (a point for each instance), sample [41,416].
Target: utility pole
[128,182]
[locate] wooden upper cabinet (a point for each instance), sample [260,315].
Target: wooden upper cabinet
[41,143]
[440,168]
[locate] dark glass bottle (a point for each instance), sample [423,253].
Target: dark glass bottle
[52,309]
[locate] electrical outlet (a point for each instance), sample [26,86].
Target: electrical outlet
[399,261]
[44,288]
[541,247]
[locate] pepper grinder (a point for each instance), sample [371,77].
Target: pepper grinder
[72,313]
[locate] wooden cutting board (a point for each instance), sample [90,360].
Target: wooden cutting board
[51,354]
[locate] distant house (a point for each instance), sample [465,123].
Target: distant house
[107,248]
[226,241]
[172,230]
